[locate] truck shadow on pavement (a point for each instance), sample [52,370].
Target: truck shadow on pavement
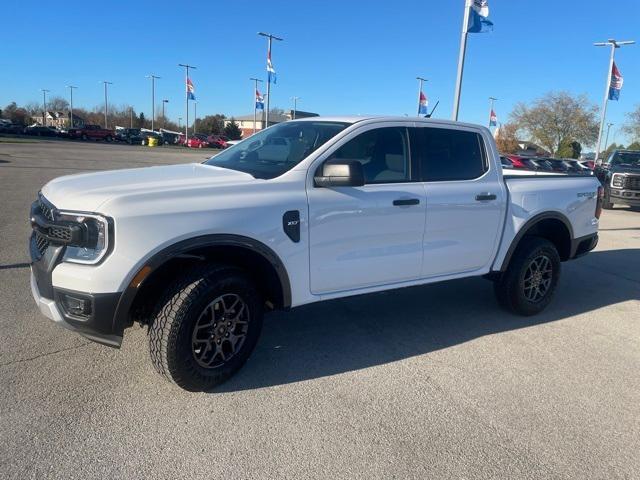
[349,334]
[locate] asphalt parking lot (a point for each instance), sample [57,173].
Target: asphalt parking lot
[429,382]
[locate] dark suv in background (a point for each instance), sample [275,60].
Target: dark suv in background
[620,177]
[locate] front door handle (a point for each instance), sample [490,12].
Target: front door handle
[485,196]
[406,201]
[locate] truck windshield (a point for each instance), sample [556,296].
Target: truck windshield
[626,158]
[276,150]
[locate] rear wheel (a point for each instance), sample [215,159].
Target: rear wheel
[606,200]
[84,137]
[206,327]
[528,285]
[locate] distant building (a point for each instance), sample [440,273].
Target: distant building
[245,122]
[58,119]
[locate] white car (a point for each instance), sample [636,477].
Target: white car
[343,206]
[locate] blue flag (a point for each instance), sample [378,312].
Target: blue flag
[479,17]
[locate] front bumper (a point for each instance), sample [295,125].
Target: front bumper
[625,197]
[101,324]
[98,327]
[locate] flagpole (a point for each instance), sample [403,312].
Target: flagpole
[613,44]
[420,80]
[255,101]
[461,55]
[270,37]
[491,100]
[186,100]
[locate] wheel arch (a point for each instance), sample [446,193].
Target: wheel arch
[259,260]
[554,226]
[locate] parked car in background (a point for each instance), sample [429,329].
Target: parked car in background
[11,128]
[574,166]
[517,161]
[147,134]
[197,142]
[620,177]
[41,131]
[171,138]
[231,143]
[217,141]
[590,164]
[505,162]
[92,132]
[129,135]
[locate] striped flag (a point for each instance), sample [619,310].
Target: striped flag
[259,100]
[271,72]
[616,83]
[479,17]
[423,104]
[493,119]
[190,90]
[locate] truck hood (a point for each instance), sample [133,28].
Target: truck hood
[625,169]
[88,191]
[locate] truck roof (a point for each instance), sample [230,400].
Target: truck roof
[386,118]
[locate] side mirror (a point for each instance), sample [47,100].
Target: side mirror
[340,173]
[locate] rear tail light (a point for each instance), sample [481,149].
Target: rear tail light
[599,199]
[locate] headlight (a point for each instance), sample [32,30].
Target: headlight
[617,181]
[95,243]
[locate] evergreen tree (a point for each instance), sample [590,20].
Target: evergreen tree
[232,130]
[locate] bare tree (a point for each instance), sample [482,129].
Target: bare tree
[57,104]
[632,126]
[557,119]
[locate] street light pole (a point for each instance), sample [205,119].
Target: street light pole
[491,100]
[606,138]
[44,106]
[420,83]
[71,87]
[195,115]
[270,37]
[255,100]
[164,119]
[186,99]
[130,117]
[613,44]
[153,98]
[106,104]
[461,55]
[295,106]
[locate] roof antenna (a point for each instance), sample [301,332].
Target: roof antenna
[434,109]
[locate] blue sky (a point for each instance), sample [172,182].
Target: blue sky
[340,57]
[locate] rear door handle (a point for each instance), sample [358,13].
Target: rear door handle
[406,201]
[485,196]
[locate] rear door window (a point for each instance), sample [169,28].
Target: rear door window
[446,154]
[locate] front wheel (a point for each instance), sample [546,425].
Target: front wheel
[206,327]
[528,285]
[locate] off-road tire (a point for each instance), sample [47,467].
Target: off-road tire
[176,316]
[606,200]
[510,286]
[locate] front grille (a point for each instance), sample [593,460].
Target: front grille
[47,210]
[632,182]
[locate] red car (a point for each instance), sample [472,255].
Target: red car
[217,141]
[195,142]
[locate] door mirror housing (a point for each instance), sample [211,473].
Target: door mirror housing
[340,173]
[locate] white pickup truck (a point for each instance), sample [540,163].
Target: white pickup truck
[305,211]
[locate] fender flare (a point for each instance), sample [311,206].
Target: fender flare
[183,246]
[528,225]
